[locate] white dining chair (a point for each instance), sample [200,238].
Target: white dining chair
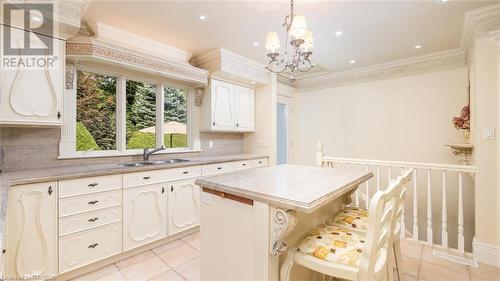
[356,220]
[338,252]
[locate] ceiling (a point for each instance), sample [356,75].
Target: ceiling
[373,31]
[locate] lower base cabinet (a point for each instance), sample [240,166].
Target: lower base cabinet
[31,231]
[77,250]
[183,206]
[144,215]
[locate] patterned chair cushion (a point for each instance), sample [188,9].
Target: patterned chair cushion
[333,244]
[352,218]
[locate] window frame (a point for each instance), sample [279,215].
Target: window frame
[67,146]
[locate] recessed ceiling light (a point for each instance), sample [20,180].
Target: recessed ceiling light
[256,44]
[352,61]
[253,82]
[417,47]
[339,33]
[442,1]
[202,18]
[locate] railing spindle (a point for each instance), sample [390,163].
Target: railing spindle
[429,207]
[356,167]
[461,239]
[367,190]
[415,205]
[444,216]
[403,222]
[378,177]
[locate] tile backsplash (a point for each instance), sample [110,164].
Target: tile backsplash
[30,148]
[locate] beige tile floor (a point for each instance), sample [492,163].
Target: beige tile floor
[180,260]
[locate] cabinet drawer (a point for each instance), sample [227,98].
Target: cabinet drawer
[157,176]
[89,185]
[260,162]
[243,165]
[82,248]
[75,223]
[90,202]
[213,169]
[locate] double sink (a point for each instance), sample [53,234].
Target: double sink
[158,162]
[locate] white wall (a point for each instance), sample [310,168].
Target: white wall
[484,90]
[263,140]
[405,119]
[401,119]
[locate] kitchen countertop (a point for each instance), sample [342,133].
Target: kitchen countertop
[300,188]
[12,178]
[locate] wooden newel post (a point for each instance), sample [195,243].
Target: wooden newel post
[319,155]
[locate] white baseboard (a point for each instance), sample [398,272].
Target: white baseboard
[486,253]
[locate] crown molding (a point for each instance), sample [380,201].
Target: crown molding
[115,36]
[91,49]
[479,22]
[411,66]
[229,66]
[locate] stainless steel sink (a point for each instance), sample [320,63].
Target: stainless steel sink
[171,161]
[158,162]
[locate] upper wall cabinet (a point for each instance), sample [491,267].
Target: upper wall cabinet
[31,90]
[228,108]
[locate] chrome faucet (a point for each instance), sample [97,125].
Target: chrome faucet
[148,152]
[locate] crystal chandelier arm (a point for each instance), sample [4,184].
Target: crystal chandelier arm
[276,63]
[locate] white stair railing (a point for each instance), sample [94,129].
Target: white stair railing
[380,168]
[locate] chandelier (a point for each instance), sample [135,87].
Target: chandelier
[296,54]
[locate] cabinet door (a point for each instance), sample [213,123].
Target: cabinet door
[32,96]
[144,217]
[31,231]
[223,100]
[183,206]
[245,109]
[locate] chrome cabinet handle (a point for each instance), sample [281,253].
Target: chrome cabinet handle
[219,168]
[93,245]
[244,164]
[185,172]
[93,202]
[162,189]
[93,219]
[146,178]
[93,184]
[172,188]
[50,190]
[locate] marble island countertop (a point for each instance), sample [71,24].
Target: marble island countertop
[300,188]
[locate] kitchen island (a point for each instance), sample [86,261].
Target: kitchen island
[248,218]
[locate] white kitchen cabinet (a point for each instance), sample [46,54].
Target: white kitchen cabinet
[183,206]
[31,96]
[245,111]
[82,248]
[144,215]
[228,108]
[31,238]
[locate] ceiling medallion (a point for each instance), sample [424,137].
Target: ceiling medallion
[295,55]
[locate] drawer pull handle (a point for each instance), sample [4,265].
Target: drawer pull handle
[185,172]
[50,190]
[146,178]
[244,164]
[93,219]
[93,184]
[162,189]
[93,245]
[93,202]
[219,168]
[260,162]
[172,188]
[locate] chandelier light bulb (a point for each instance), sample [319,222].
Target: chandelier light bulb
[272,42]
[299,27]
[308,41]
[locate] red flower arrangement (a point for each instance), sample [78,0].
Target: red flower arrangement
[462,122]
